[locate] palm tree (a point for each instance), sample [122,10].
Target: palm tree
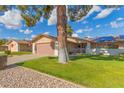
[32,14]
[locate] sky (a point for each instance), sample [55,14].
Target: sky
[99,21]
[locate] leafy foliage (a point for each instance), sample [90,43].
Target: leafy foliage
[3,41]
[69,30]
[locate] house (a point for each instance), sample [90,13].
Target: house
[3,48]
[109,45]
[19,46]
[47,45]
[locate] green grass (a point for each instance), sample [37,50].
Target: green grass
[2,53]
[89,71]
[20,53]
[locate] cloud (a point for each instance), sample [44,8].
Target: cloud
[47,33]
[27,31]
[53,17]
[11,19]
[75,35]
[104,13]
[79,31]
[94,9]
[97,26]
[41,19]
[85,22]
[33,36]
[12,38]
[84,30]
[21,31]
[120,19]
[115,24]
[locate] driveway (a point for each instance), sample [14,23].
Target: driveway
[16,59]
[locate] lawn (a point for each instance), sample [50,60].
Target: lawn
[20,53]
[89,71]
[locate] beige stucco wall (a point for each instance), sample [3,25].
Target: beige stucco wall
[44,46]
[13,46]
[43,40]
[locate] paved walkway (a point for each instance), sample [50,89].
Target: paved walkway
[15,59]
[19,77]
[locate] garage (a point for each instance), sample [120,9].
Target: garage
[45,49]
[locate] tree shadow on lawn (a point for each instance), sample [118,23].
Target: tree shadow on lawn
[99,57]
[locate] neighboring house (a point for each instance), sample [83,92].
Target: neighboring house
[47,45]
[109,45]
[3,48]
[19,46]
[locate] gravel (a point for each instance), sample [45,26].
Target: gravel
[20,77]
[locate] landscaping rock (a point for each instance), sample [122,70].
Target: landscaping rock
[19,77]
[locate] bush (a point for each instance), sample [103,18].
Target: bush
[8,52]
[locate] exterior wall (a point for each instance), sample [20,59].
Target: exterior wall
[71,47]
[44,47]
[120,45]
[107,51]
[44,40]
[25,47]
[13,46]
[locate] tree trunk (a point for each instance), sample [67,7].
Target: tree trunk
[62,35]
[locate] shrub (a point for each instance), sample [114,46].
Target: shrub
[8,52]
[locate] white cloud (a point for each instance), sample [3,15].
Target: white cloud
[53,17]
[120,19]
[21,31]
[33,36]
[41,19]
[104,13]
[94,9]
[83,30]
[87,29]
[115,24]
[79,31]
[12,38]
[85,22]
[47,33]
[27,31]
[11,19]
[75,35]
[97,26]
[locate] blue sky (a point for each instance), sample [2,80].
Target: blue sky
[98,22]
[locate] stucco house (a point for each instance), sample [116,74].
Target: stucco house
[109,45]
[47,45]
[19,46]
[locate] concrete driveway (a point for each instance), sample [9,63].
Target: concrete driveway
[16,59]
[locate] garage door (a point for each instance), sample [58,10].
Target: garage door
[45,49]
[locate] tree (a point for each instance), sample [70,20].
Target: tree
[32,14]
[69,30]
[3,41]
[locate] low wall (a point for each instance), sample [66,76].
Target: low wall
[108,51]
[3,61]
